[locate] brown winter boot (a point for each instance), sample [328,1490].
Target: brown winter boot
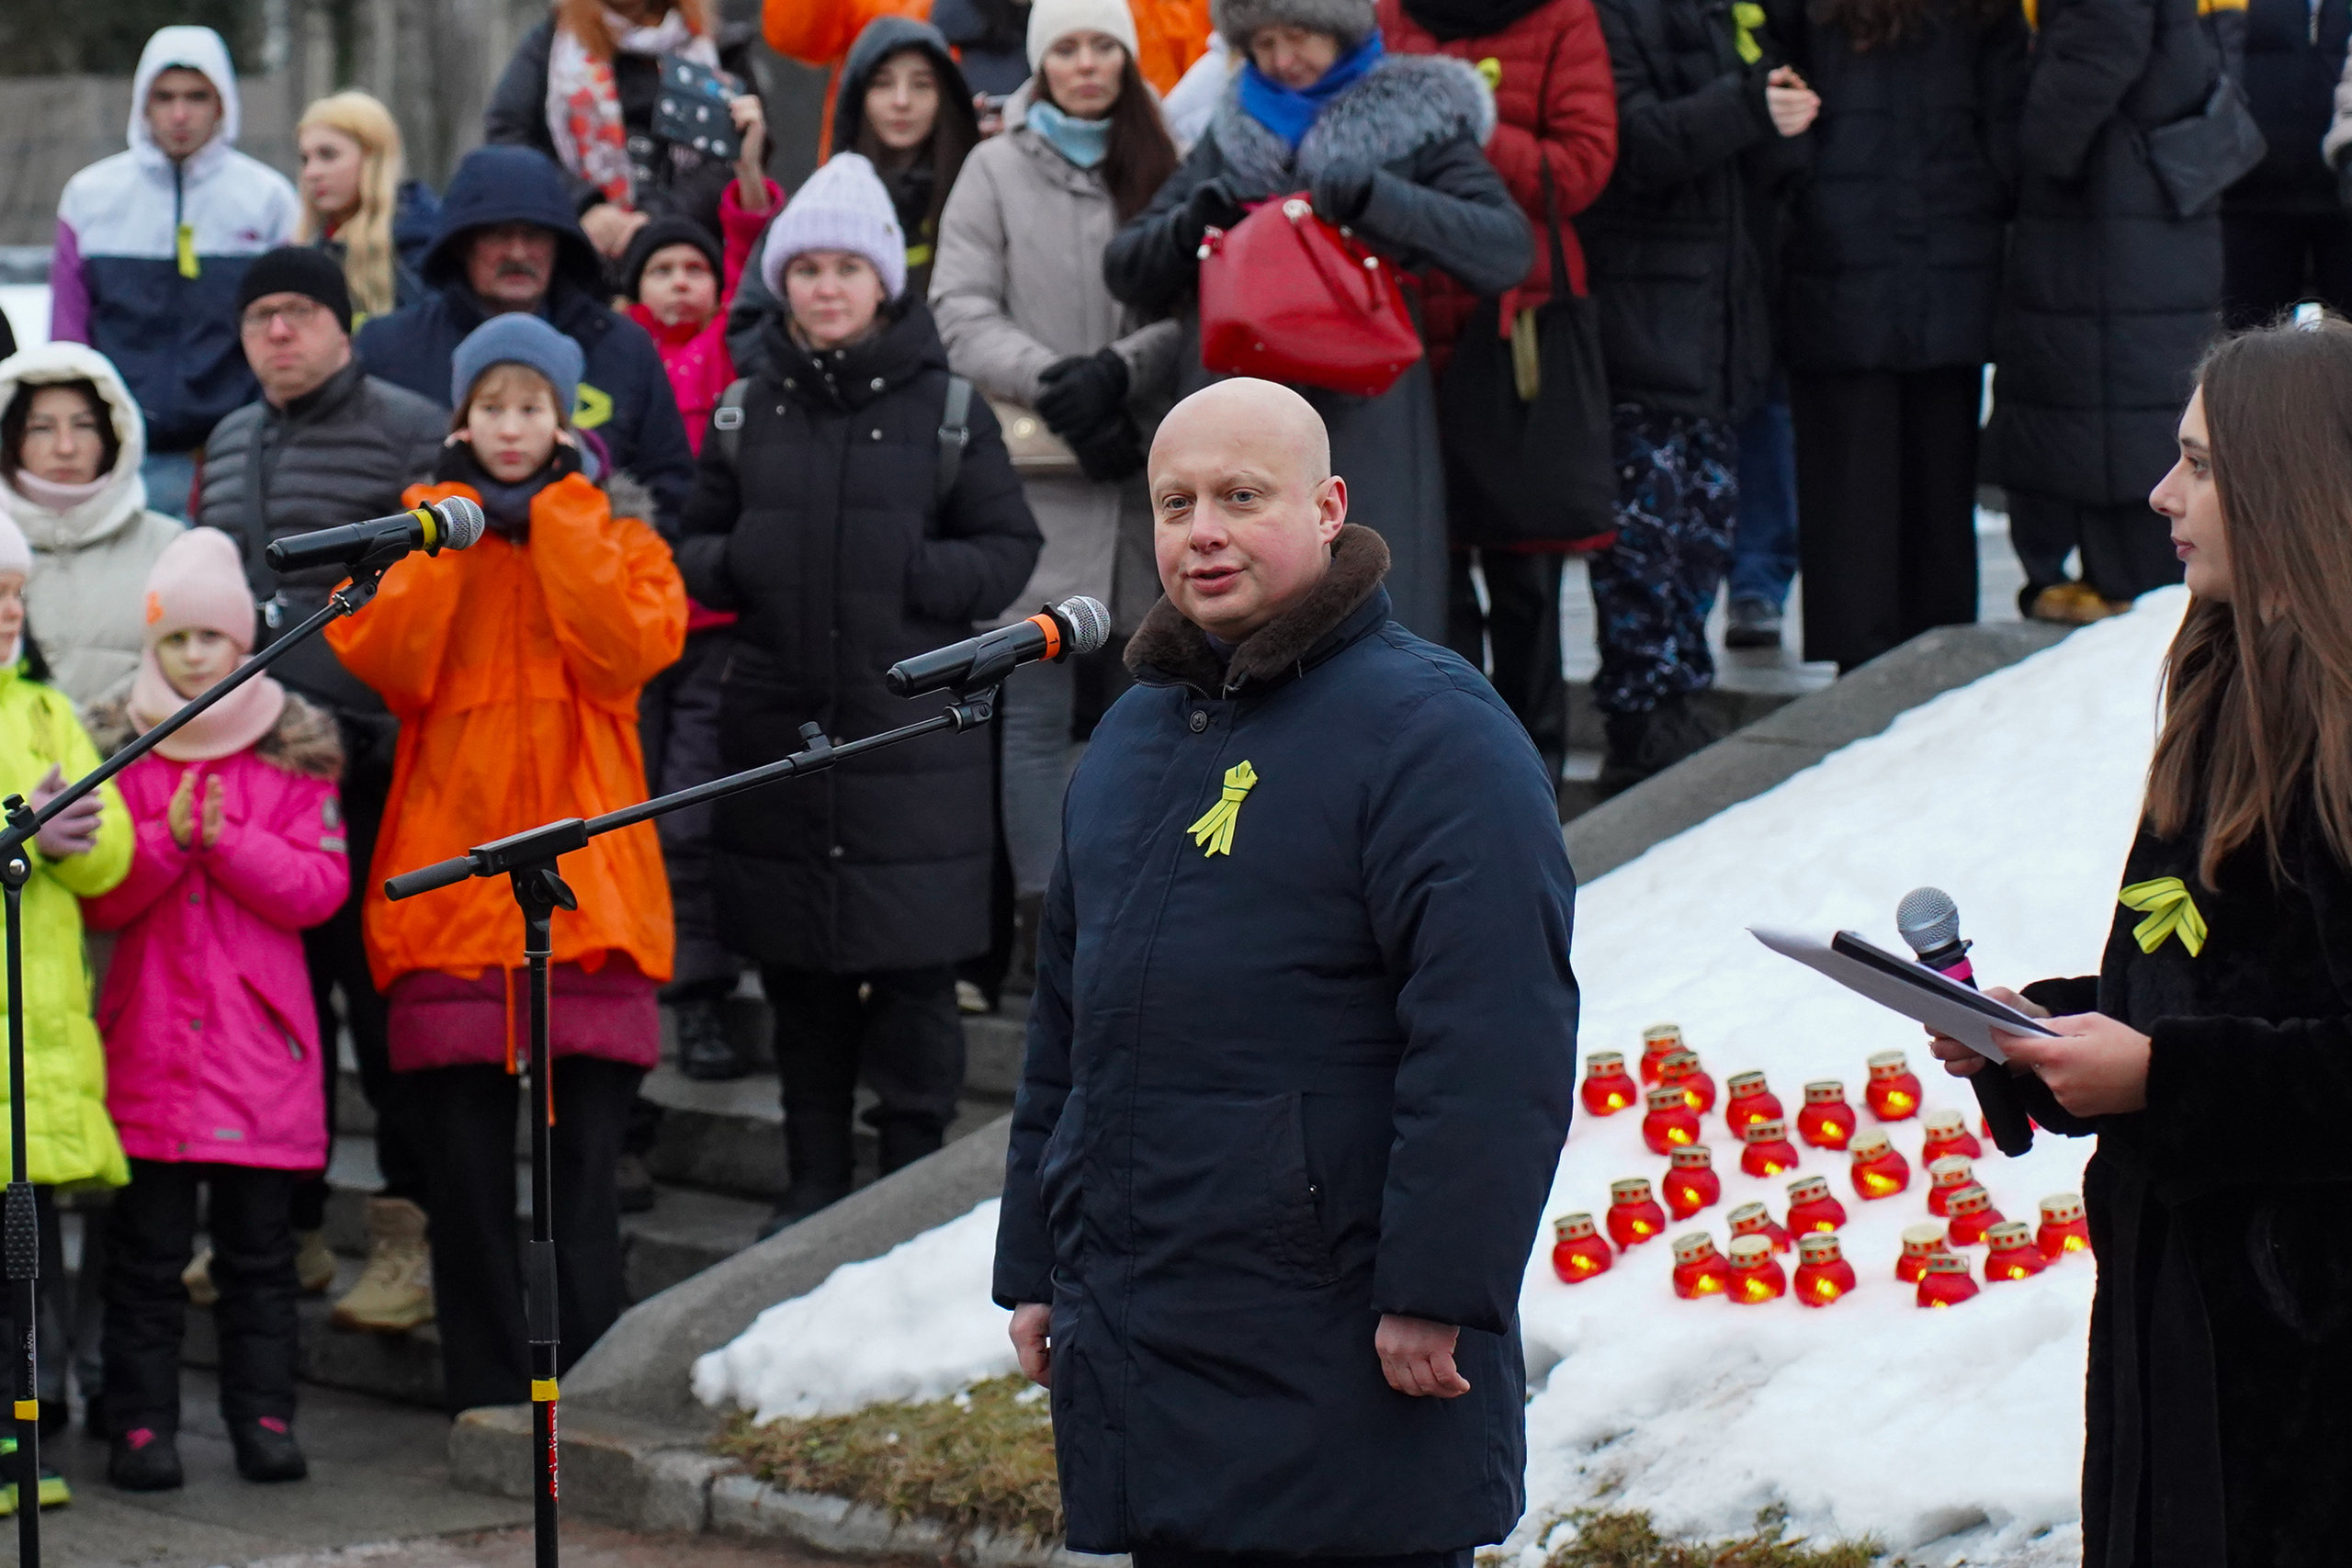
[394,1293]
[313,1262]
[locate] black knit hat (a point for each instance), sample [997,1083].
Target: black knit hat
[297,269]
[670,230]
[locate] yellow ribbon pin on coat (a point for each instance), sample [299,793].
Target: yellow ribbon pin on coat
[1213,831]
[1747,21]
[2170,911]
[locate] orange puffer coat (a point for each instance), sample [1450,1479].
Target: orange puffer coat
[514,670]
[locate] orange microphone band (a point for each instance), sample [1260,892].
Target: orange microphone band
[1053,630]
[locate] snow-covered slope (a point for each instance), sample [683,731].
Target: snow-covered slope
[2017,796]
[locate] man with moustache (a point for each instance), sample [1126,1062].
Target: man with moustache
[508,241]
[1301,1054]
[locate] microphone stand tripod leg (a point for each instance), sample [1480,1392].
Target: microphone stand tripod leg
[540,892]
[20,1220]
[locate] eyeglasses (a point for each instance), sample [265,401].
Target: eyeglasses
[296,313]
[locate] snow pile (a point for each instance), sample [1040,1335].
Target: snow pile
[2017,796]
[914,1324]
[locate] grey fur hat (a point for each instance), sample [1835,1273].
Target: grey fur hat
[1350,21]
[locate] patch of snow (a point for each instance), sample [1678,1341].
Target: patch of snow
[27,305]
[1954,1435]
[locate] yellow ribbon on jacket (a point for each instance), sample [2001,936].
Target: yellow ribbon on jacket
[1213,831]
[1746,17]
[2171,911]
[183,251]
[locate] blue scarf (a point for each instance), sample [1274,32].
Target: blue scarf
[1083,142]
[1290,112]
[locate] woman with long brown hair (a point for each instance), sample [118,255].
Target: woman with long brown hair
[2212,1054]
[1026,315]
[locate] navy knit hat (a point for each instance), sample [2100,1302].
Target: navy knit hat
[297,269]
[518,339]
[659,234]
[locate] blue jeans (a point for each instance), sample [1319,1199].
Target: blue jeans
[170,476]
[1764,538]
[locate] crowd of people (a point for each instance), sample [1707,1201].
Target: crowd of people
[1737,271]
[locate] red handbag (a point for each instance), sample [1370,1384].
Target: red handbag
[1286,297]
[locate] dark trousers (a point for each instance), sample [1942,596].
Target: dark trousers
[465,1120]
[2272,261]
[337,953]
[1678,490]
[1886,480]
[1516,638]
[678,723]
[903,1036]
[2127,549]
[151,1233]
[1764,538]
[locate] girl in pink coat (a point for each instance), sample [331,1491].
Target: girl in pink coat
[212,1072]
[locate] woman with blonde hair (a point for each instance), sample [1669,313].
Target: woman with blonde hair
[356,205]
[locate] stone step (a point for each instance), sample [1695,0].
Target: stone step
[1732,708]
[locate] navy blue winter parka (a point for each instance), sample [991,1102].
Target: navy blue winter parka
[1274,1092]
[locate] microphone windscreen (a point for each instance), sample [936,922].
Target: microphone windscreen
[1928,918]
[1089,623]
[462,522]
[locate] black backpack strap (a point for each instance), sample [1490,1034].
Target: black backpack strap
[727,421]
[955,434]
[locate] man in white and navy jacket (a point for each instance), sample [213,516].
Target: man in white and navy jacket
[153,242]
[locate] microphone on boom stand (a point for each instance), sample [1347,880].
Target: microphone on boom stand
[1075,625]
[450,524]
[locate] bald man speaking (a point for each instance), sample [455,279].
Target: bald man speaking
[1301,1054]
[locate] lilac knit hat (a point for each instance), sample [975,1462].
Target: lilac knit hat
[842,207]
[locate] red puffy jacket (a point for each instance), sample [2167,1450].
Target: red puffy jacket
[1553,99]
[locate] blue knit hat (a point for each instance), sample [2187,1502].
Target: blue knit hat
[518,338]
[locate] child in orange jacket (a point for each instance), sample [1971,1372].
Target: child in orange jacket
[514,670]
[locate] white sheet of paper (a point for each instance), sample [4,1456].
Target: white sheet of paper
[1924,999]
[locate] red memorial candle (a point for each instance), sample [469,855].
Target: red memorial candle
[1946,1176]
[1756,1274]
[1826,1121]
[1748,1100]
[1878,1171]
[1948,1133]
[2065,1228]
[1691,1181]
[1971,1215]
[1608,1087]
[1659,1041]
[1823,1273]
[1920,1243]
[1682,1071]
[1892,1092]
[1946,1282]
[1754,1219]
[1578,1251]
[1634,1216]
[1699,1268]
[1769,1151]
[1670,1121]
[2013,1254]
[1812,1207]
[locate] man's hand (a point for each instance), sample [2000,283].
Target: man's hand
[73,832]
[1416,1356]
[610,227]
[1031,1321]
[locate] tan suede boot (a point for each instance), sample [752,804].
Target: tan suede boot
[313,1262]
[394,1293]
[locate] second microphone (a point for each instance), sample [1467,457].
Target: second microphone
[1075,625]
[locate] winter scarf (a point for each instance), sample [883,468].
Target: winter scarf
[583,102]
[1404,103]
[1084,142]
[57,496]
[508,505]
[1291,112]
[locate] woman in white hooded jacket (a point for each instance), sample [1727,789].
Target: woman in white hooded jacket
[1017,288]
[70,443]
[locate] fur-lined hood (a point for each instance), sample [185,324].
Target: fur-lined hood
[1173,647]
[306,741]
[1404,104]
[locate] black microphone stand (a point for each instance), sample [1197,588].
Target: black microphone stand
[528,860]
[21,1221]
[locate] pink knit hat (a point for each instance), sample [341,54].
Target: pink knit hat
[200,582]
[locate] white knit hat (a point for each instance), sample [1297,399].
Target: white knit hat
[842,207]
[16,550]
[1050,21]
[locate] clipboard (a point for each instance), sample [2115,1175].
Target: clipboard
[1907,987]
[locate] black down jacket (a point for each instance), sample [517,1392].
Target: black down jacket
[340,453]
[2294,53]
[1274,1093]
[2221,1345]
[2111,292]
[827,535]
[1420,120]
[1678,245]
[1893,256]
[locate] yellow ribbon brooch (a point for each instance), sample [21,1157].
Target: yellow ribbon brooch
[1213,831]
[1748,20]
[2170,911]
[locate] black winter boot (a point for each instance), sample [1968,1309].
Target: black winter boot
[146,1460]
[1641,745]
[820,1158]
[705,1053]
[266,1451]
[903,1142]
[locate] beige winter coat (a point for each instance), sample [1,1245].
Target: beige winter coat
[87,598]
[1017,285]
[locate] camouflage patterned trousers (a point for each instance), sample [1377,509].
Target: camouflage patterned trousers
[1678,493]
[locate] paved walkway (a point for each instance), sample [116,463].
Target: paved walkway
[586,1546]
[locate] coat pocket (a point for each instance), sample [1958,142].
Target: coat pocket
[2294,1248]
[1294,1199]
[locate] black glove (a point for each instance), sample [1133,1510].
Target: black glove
[1211,206]
[1343,190]
[1083,393]
[1112,452]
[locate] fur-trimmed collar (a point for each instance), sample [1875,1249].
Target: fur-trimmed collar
[1406,103]
[305,741]
[1174,647]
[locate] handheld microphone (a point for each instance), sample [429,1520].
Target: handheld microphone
[1929,922]
[450,524]
[1075,625]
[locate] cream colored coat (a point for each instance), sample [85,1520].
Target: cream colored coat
[1017,285]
